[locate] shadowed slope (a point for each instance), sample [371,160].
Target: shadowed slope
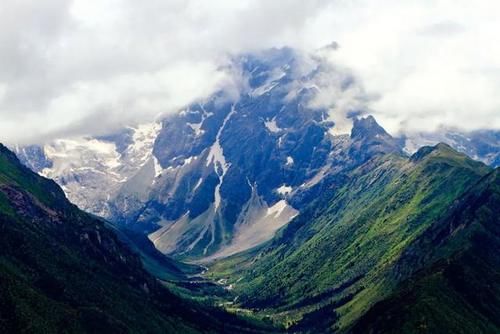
[62,270]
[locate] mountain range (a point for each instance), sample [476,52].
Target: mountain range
[301,215]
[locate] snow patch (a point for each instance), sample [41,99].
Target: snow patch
[264,89]
[272,126]
[158,168]
[216,156]
[284,190]
[189,160]
[196,127]
[270,83]
[197,185]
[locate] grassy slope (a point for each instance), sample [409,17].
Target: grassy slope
[458,290]
[62,270]
[336,262]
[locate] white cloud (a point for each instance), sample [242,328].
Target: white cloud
[430,62]
[85,66]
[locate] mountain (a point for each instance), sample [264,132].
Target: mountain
[224,174]
[482,145]
[62,270]
[345,260]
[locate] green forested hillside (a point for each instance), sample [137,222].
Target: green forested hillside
[63,271]
[345,253]
[458,288]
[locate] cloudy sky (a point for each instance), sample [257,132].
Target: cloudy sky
[88,66]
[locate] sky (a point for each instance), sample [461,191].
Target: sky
[86,67]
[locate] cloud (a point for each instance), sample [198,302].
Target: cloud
[430,62]
[88,66]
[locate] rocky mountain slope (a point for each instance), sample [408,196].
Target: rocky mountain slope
[62,270]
